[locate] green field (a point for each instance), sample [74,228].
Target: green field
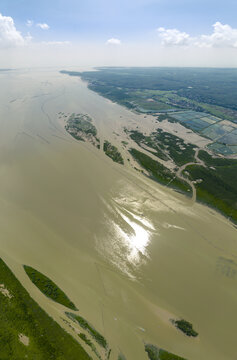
[218,188]
[20,314]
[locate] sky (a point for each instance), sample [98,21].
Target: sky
[118,33]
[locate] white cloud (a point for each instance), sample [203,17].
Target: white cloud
[43,26]
[173,37]
[223,36]
[9,36]
[29,23]
[113,41]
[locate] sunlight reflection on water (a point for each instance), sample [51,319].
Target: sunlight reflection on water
[127,240]
[127,231]
[136,242]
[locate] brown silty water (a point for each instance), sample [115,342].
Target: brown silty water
[128,252]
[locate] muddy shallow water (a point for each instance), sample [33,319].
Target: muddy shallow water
[128,252]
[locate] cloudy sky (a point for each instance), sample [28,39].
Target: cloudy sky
[124,32]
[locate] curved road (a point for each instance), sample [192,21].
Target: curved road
[183,167]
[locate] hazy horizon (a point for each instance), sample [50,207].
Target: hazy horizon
[132,33]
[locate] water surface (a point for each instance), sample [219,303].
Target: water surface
[128,252]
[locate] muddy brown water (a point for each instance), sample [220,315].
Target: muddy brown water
[129,253]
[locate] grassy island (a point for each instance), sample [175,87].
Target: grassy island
[112,152]
[90,344]
[80,126]
[185,326]
[154,353]
[86,326]
[48,287]
[26,331]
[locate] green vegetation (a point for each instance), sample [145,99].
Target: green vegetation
[85,325]
[213,189]
[216,161]
[163,89]
[165,355]
[89,343]
[218,185]
[220,111]
[163,117]
[166,146]
[185,326]
[48,287]
[154,353]
[141,140]
[159,172]
[112,152]
[20,314]
[83,123]
[81,128]
[179,151]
